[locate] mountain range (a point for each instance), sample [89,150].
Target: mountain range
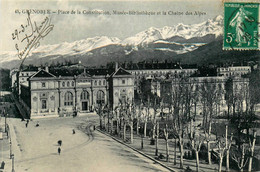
[178,42]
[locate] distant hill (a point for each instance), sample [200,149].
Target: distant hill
[213,53]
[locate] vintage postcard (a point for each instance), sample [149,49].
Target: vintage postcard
[129,86]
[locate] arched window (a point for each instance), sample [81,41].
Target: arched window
[68,99]
[68,84]
[100,97]
[99,82]
[104,82]
[63,84]
[72,83]
[84,95]
[95,82]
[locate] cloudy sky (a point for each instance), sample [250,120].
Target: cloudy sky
[68,27]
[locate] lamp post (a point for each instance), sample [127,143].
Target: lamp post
[142,141]
[13,163]
[10,149]
[5,121]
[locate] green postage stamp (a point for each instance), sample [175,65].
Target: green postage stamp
[241,26]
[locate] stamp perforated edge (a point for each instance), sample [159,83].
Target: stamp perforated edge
[241,48]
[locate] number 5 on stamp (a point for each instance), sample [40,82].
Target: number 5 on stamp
[241,26]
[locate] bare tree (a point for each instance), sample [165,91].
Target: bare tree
[220,151]
[251,150]
[155,108]
[179,121]
[240,159]
[196,147]
[181,105]
[157,138]
[146,120]
[209,96]
[131,116]
[166,137]
[228,146]
[99,110]
[229,95]
[208,141]
[112,116]
[138,117]
[117,119]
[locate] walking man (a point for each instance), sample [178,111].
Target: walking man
[59,150]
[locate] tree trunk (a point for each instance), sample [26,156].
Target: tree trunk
[181,152]
[220,164]
[100,122]
[191,133]
[228,110]
[108,122]
[227,160]
[121,126]
[157,136]
[167,150]
[137,127]
[104,123]
[131,132]
[250,164]
[252,148]
[154,126]
[234,108]
[209,153]
[227,148]
[203,120]
[145,125]
[124,132]
[111,126]
[175,151]
[197,160]
[195,106]
[117,127]
[242,159]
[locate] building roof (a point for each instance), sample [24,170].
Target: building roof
[42,74]
[152,66]
[121,71]
[76,71]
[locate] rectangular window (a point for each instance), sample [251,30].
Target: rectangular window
[43,84]
[44,104]
[123,81]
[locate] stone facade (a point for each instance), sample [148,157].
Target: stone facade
[52,95]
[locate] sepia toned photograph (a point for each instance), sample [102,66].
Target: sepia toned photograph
[130,86]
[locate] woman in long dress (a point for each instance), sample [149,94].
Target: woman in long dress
[238,22]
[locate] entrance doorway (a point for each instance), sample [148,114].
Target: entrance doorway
[84,106]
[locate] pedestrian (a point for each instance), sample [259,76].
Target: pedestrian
[59,150]
[26,124]
[73,131]
[59,142]
[37,125]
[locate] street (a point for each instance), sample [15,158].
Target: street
[37,148]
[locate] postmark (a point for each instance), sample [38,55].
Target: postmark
[241,26]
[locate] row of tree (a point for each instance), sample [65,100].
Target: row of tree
[182,104]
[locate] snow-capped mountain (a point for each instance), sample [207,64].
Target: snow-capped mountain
[177,39]
[64,49]
[211,26]
[77,47]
